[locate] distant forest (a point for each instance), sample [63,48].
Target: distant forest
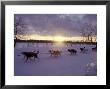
[51,41]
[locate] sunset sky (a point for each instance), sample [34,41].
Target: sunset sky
[54,26]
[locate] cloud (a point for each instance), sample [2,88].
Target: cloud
[52,24]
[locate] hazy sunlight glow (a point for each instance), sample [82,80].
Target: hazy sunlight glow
[59,38]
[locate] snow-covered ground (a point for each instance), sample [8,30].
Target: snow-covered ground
[81,64]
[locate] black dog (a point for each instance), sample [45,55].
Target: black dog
[82,49]
[94,49]
[72,51]
[29,55]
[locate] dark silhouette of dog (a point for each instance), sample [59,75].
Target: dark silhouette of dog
[82,49]
[72,51]
[29,55]
[94,49]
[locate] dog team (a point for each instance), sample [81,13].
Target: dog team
[54,53]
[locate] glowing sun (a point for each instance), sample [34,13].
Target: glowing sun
[59,38]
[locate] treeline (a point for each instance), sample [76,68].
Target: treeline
[50,41]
